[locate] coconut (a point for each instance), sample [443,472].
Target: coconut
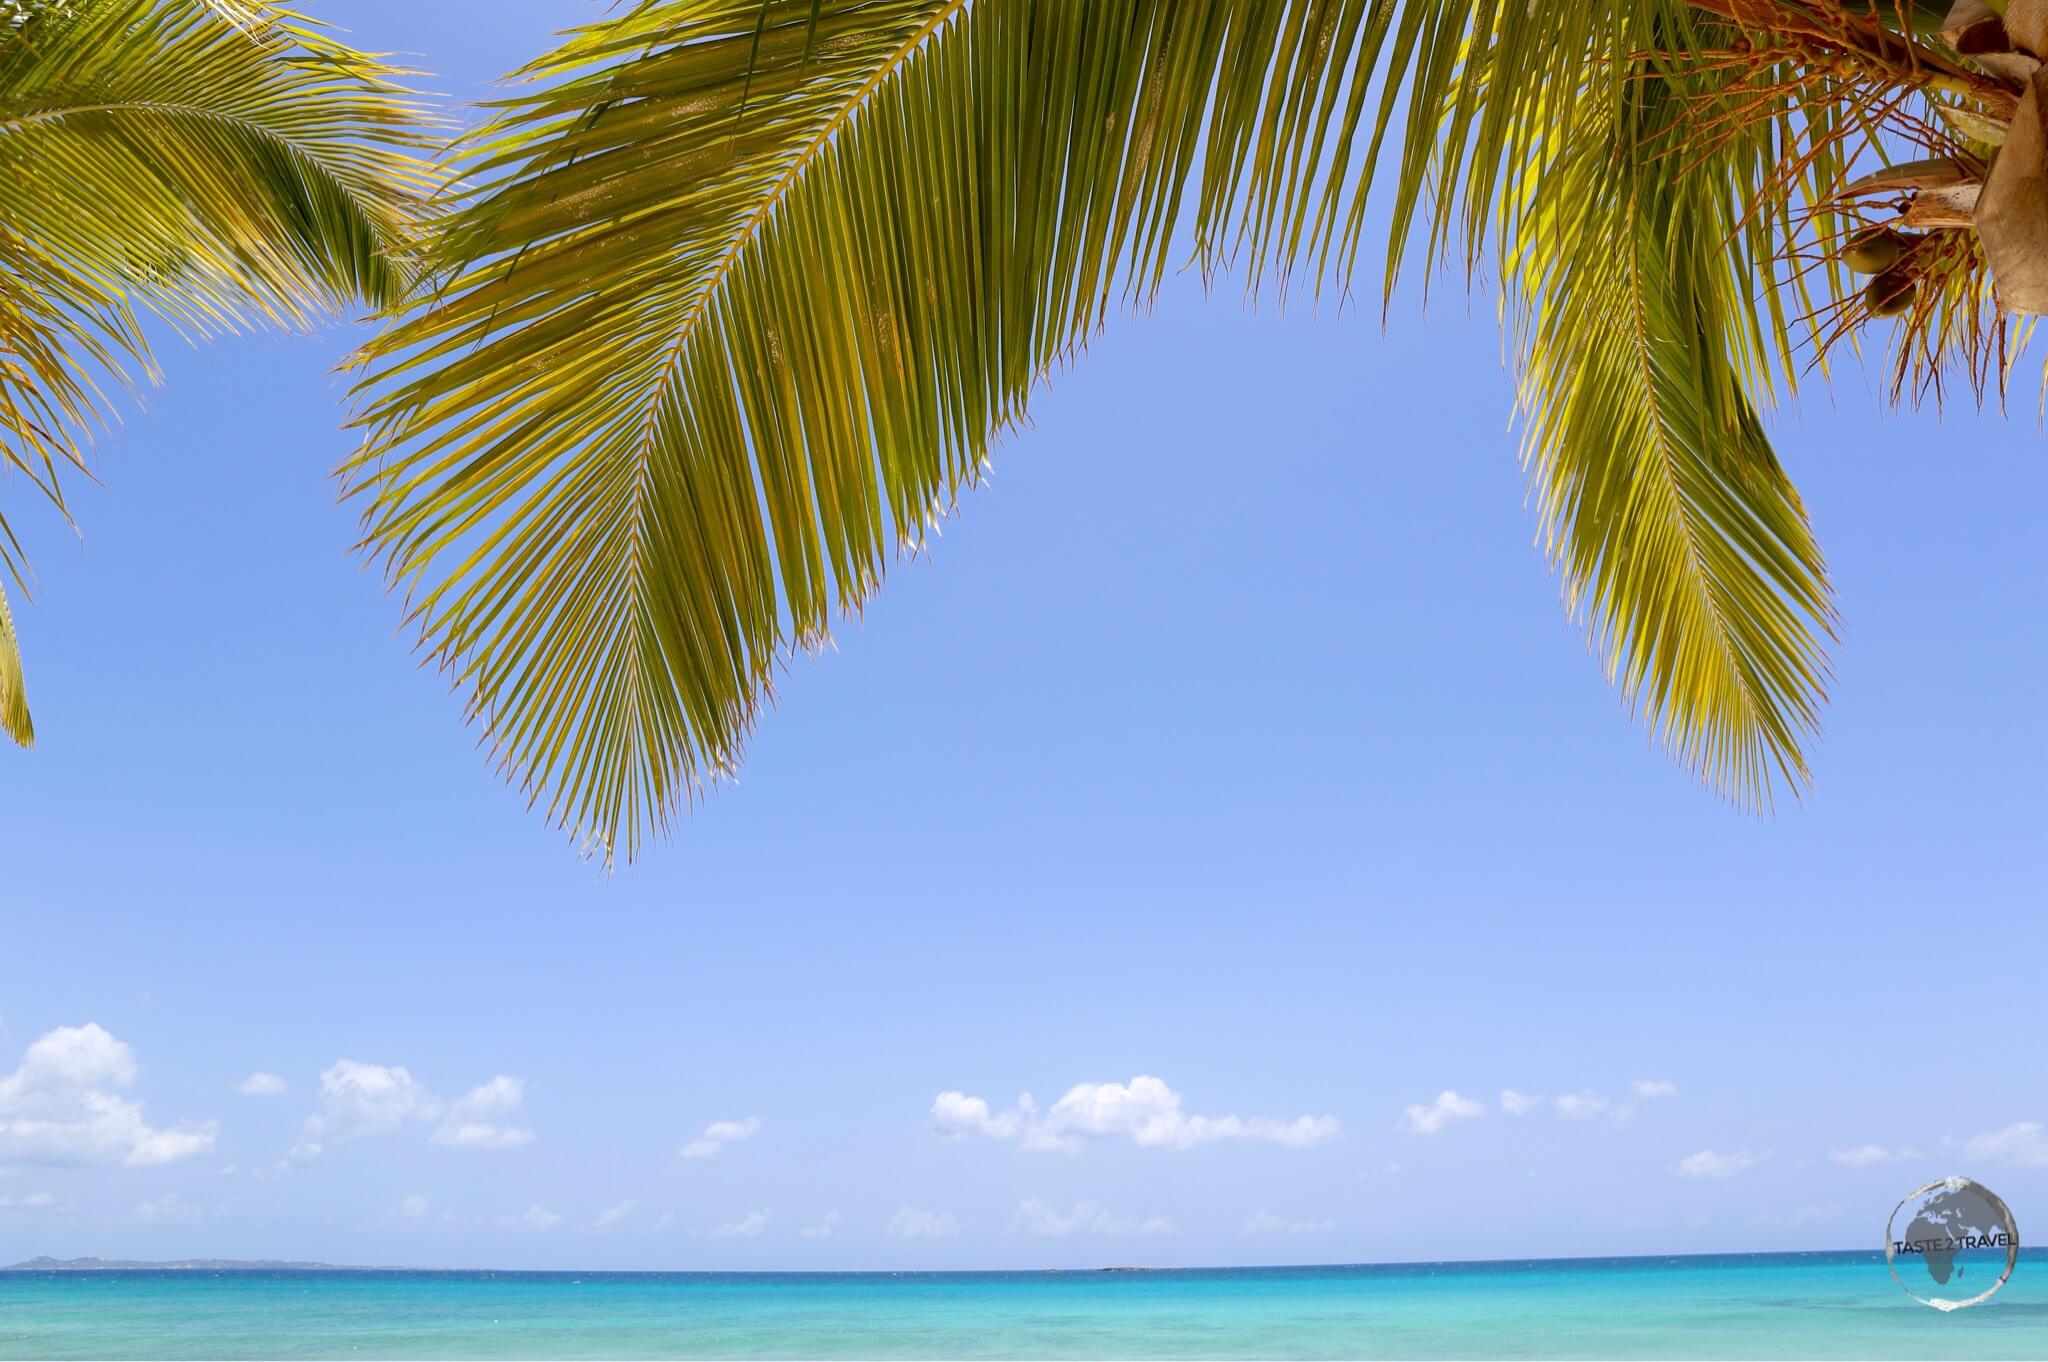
[1873,250]
[1891,293]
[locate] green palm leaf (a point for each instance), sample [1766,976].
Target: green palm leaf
[222,163]
[749,290]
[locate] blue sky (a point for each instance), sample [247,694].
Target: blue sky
[1233,740]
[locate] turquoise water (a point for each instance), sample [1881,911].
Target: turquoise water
[1760,1305]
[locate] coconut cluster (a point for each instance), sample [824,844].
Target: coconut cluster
[2004,198]
[1882,252]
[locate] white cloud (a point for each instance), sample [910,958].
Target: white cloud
[1448,1107]
[746,1227]
[1654,1087]
[359,1100]
[63,1106]
[261,1084]
[534,1217]
[168,1146]
[1580,1106]
[718,1135]
[1145,1110]
[481,1135]
[1518,1103]
[1708,1164]
[612,1215]
[475,1120]
[911,1223]
[413,1207]
[1035,1217]
[33,1201]
[1869,1155]
[2022,1143]
[1265,1222]
[823,1229]
[662,1222]
[954,1113]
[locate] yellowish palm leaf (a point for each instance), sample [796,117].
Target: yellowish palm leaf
[14,718]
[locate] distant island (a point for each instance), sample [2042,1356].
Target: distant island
[47,1264]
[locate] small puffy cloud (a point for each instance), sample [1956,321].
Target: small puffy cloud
[534,1217]
[1651,1088]
[476,1119]
[1580,1106]
[955,1113]
[612,1215]
[359,1100]
[823,1229]
[1144,1110]
[1428,1119]
[1048,1222]
[911,1223]
[662,1222]
[2022,1144]
[746,1227]
[1518,1103]
[1708,1164]
[261,1084]
[413,1207]
[72,1057]
[718,1135]
[168,1146]
[33,1201]
[1265,1222]
[1870,1155]
[63,1106]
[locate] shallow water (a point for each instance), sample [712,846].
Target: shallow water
[1760,1305]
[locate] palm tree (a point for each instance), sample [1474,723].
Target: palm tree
[745,292]
[216,163]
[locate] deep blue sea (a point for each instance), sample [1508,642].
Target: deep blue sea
[1749,1306]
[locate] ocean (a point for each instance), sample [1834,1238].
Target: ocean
[1734,1306]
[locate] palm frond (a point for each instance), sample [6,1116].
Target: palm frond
[14,718]
[750,293]
[221,163]
[750,288]
[220,166]
[63,336]
[1677,535]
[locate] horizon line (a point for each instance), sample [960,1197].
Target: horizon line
[28,1265]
